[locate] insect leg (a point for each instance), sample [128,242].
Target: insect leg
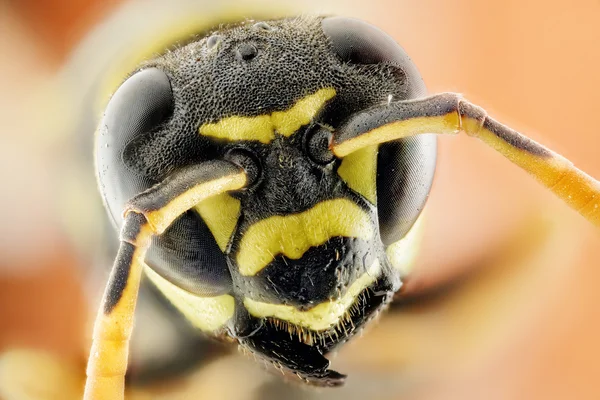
[449,113]
[147,214]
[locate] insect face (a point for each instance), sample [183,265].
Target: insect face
[294,263]
[261,177]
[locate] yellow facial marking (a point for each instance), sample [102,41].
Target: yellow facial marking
[301,113]
[322,316]
[359,171]
[292,235]
[206,313]
[236,128]
[220,213]
[262,128]
[403,253]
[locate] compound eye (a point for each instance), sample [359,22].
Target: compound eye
[358,42]
[317,145]
[405,172]
[141,104]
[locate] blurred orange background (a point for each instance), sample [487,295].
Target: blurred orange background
[525,324]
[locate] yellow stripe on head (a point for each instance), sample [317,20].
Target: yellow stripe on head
[322,316]
[220,213]
[262,128]
[403,253]
[259,128]
[359,170]
[301,113]
[292,235]
[208,314]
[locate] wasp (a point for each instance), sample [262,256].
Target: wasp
[264,179]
